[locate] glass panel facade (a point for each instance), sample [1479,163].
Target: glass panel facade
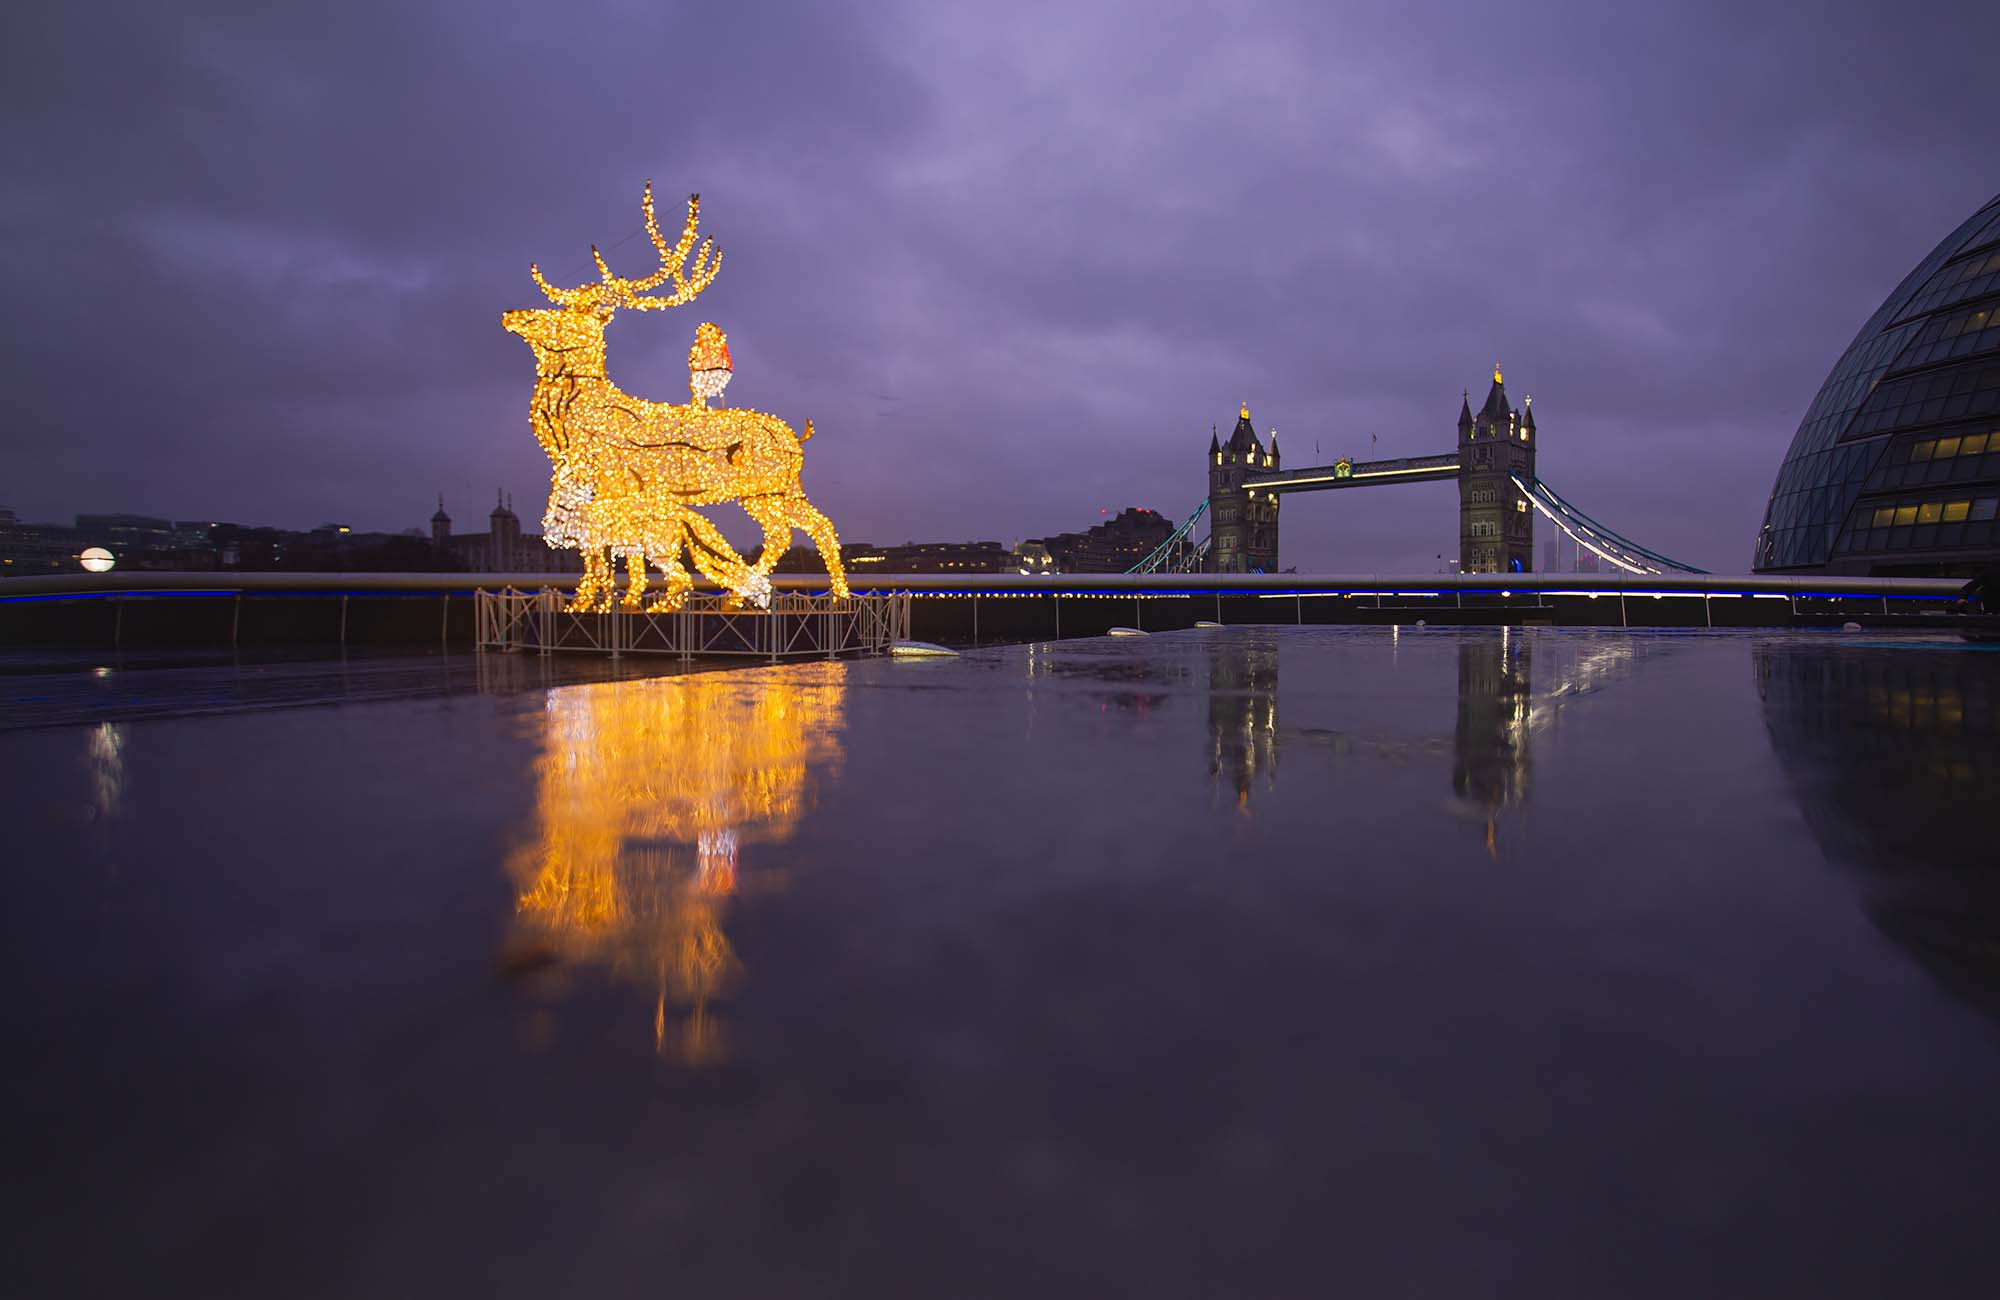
[1959,334]
[1926,363]
[1962,279]
[1934,523]
[1930,396]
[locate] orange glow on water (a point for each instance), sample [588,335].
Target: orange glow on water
[649,791]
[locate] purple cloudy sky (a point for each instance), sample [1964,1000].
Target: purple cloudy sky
[1013,259]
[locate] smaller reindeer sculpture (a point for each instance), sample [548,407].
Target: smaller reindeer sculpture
[628,472]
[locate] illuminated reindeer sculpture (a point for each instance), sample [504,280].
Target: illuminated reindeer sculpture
[628,473]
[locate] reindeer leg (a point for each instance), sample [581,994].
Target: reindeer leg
[720,564]
[596,568]
[577,601]
[677,580]
[635,587]
[607,576]
[777,530]
[820,529]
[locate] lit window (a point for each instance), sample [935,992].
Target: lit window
[1955,511]
[1928,512]
[1973,445]
[1947,448]
[1521,507]
[1906,514]
[1884,517]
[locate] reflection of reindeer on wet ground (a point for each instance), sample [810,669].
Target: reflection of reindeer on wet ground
[648,793]
[628,472]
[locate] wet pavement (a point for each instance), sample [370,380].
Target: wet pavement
[1252,962]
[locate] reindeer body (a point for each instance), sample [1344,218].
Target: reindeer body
[628,473]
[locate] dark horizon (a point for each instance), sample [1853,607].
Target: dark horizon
[1013,268]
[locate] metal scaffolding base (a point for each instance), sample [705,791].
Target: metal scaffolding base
[794,627]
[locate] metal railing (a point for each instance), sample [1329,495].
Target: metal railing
[794,627]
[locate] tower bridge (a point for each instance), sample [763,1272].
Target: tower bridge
[1499,496]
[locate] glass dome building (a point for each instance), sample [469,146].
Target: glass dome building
[1896,467]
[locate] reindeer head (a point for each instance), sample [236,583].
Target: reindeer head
[572,331]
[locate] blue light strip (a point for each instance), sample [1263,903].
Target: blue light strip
[1515,592]
[198,594]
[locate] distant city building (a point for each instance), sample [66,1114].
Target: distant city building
[863,559]
[1895,468]
[37,548]
[144,542]
[135,532]
[1034,556]
[502,548]
[1111,547]
[134,541]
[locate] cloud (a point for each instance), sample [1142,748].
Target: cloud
[203,246]
[260,252]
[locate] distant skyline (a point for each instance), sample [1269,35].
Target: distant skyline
[1013,262]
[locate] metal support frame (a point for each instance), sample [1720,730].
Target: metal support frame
[1589,534]
[794,627]
[1176,554]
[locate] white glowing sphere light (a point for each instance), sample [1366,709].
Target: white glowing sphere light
[97,560]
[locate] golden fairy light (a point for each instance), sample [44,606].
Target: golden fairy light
[629,473]
[648,792]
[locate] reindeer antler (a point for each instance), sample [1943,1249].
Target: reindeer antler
[625,293]
[561,297]
[672,259]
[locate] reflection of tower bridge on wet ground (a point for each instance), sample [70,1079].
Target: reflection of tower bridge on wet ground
[1512,689]
[1499,495]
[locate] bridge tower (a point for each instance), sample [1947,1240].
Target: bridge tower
[1243,525]
[1496,523]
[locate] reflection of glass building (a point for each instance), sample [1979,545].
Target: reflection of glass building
[1895,758]
[1896,466]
